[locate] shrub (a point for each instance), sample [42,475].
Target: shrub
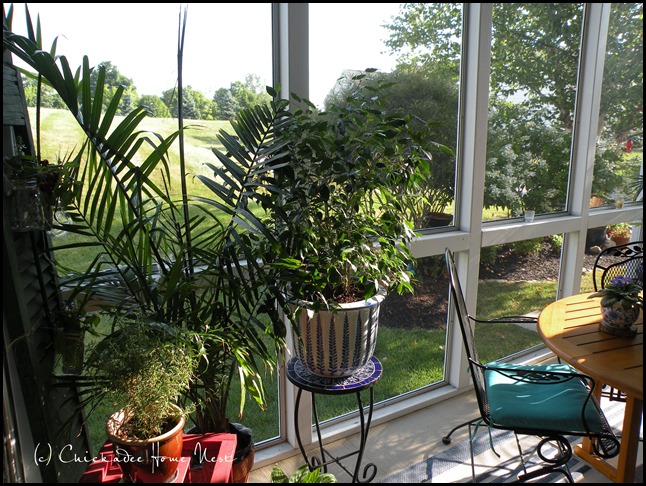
[527,247]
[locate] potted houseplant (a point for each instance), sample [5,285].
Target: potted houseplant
[30,184]
[621,303]
[619,233]
[301,475]
[160,250]
[141,369]
[338,240]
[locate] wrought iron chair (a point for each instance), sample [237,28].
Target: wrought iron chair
[547,401]
[627,260]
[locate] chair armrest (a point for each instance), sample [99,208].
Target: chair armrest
[508,319]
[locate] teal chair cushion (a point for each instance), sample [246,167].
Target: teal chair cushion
[543,406]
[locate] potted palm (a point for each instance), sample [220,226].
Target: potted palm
[339,240]
[159,250]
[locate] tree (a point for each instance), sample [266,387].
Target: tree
[189,106]
[535,57]
[227,106]
[203,105]
[48,97]
[113,80]
[155,106]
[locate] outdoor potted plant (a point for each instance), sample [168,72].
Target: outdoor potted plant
[621,303]
[141,369]
[339,240]
[160,250]
[619,233]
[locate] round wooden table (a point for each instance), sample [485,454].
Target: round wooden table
[570,328]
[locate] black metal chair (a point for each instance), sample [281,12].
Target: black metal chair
[547,401]
[627,260]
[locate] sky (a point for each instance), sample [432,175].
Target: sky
[224,42]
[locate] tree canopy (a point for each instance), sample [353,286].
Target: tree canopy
[534,65]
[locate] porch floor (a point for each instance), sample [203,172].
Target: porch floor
[407,440]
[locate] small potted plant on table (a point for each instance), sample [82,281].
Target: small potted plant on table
[621,303]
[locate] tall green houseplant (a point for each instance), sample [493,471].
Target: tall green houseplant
[163,252]
[339,232]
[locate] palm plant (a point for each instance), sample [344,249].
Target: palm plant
[163,253]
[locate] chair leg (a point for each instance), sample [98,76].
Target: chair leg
[447,438]
[557,464]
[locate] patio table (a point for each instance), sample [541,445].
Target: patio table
[570,328]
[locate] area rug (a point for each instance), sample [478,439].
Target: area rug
[453,465]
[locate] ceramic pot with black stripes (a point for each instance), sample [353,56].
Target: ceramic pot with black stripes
[336,343]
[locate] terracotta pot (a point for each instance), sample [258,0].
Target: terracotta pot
[147,461]
[621,240]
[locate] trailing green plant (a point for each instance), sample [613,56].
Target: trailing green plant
[184,261]
[301,475]
[337,228]
[528,247]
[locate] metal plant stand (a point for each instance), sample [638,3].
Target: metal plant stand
[364,379]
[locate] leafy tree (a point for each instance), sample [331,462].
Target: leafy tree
[155,106]
[48,97]
[203,105]
[114,80]
[535,56]
[189,106]
[227,106]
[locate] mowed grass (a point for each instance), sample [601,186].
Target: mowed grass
[61,136]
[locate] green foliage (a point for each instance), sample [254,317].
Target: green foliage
[488,255]
[622,290]
[142,367]
[162,252]
[527,247]
[429,94]
[301,475]
[339,231]
[556,241]
[535,55]
[155,106]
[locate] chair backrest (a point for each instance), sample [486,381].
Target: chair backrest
[627,260]
[468,337]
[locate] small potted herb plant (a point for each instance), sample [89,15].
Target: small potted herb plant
[142,369]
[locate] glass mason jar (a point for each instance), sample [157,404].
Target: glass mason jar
[26,205]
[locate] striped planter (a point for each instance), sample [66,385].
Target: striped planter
[336,343]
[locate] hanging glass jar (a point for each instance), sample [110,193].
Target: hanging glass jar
[26,205]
